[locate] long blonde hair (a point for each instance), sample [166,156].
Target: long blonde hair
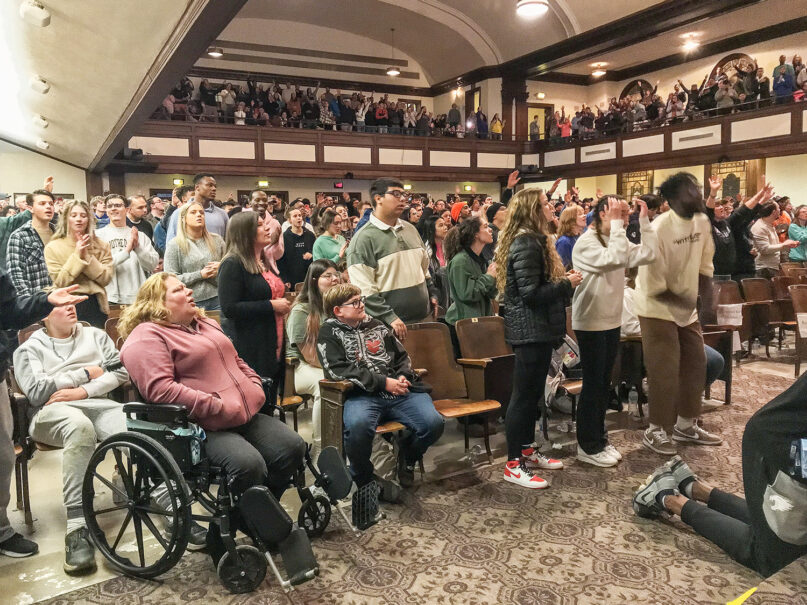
[62,228]
[149,306]
[183,239]
[525,216]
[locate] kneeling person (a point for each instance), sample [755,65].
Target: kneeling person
[67,371]
[364,351]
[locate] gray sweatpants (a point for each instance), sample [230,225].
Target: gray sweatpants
[76,426]
[7,459]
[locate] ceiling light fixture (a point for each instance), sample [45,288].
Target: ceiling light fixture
[39,84]
[34,13]
[532,9]
[468,188]
[42,144]
[691,44]
[40,121]
[691,41]
[392,71]
[178,182]
[263,182]
[541,95]
[215,52]
[599,69]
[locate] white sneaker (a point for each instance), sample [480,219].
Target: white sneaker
[516,471]
[536,459]
[613,452]
[602,459]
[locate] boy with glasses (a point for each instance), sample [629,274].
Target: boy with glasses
[352,346]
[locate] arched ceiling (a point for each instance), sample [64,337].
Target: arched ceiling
[445,37]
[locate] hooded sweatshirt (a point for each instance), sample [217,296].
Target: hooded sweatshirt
[43,364]
[196,367]
[365,355]
[597,301]
[131,268]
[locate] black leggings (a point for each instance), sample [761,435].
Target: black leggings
[598,350]
[529,381]
[90,311]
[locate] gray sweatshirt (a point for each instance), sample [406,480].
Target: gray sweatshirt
[131,268]
[188,267]
[44,365]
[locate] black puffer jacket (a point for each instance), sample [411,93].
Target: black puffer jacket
[535,308]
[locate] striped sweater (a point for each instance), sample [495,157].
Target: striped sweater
[391,266]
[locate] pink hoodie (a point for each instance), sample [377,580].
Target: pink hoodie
[197,368]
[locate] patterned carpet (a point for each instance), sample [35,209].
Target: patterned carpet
[475,539]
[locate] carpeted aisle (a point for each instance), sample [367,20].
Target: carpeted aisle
[475,539]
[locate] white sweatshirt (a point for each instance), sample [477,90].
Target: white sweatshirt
[597,301]
[44,365]
[131,268]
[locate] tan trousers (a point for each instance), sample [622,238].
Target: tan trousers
[676,369]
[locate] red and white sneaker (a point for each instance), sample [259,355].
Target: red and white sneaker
[516,471]
[536,459]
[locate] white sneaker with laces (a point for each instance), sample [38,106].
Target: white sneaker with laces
[602,458]
[536,459]
[613,452]
[516,471]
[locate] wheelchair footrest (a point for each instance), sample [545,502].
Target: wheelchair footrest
[336,478]
[298,557]
[265,517]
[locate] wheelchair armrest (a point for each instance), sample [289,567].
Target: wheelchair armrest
[157,412]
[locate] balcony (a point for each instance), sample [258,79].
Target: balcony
[187,147]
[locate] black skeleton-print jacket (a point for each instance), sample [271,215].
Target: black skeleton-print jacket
[365,355]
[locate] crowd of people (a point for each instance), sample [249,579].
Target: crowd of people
[365,270]
[717,94]
[289,106]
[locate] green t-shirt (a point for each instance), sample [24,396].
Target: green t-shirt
[295,329]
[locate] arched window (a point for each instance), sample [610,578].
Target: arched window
[735,64]
[636,89]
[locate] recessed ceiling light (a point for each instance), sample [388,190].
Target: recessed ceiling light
[40,121]
[34,13]
[541,95]
[532,9]
[42,144]
[39,84]
[691,44]
[393,71]
[215,52]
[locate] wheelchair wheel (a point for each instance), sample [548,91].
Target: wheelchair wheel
[314,516]
[138,536]
[242,576]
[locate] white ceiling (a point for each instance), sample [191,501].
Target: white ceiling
[737,22]
[96,54]
[445,37]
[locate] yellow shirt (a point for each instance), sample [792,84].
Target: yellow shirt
[496,126]
[685,250]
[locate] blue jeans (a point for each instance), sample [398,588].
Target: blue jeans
[211,304]
[364,413]
[714,364]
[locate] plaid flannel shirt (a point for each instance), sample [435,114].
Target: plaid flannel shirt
[26,261]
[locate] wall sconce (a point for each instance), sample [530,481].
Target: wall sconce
[179,182]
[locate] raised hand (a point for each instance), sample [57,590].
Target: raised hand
[715,183]
[64,296]
[642,207]
[512,179]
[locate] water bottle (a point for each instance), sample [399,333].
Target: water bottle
[633,402]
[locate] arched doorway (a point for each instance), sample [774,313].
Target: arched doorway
[735,64]
[636,89]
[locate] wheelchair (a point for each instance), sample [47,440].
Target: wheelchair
[160,458]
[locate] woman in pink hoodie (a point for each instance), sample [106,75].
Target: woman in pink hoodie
[175,355]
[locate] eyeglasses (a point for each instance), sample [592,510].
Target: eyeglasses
[113,206]
[397,194]
[356,304]
[330,276]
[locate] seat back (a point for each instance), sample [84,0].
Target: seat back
[429,346]
[215,315]
[756,289]
[798,294]
[111,329]
[482,337]
[780,287]
[796,272]
[727,293]
[27,332]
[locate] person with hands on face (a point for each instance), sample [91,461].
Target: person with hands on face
[331,244]
[132,253]
[387,259]
[364,351]
[601,255]
[75,255]
[536,292]
[66,371]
